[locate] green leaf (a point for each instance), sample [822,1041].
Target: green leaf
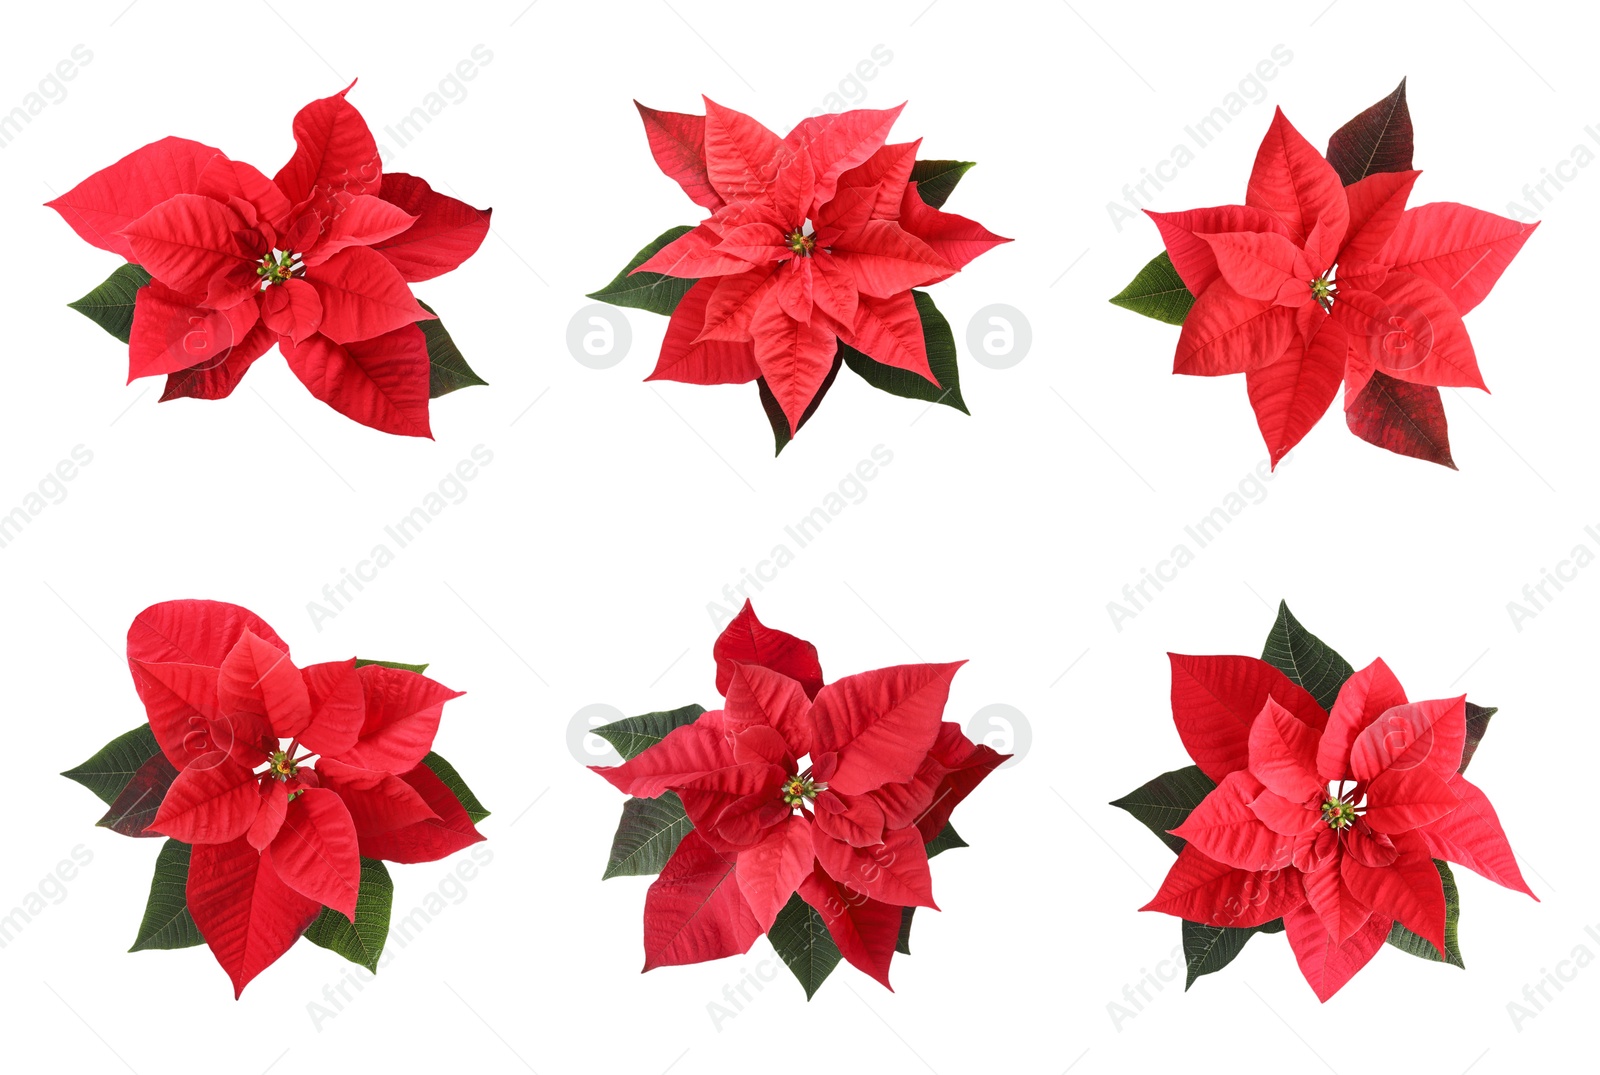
[139,800]
[1407,941]
[941,345]
[1164,802]
[647,290]
[447,369]
[634,735]
[903,943]
[780,421]
[936,179]
[947,838]
[647,836]
[167,922]
[1305,658]
[362,662]
[361,941]
[111,304]
[1157,292]
[1477,724]
[452,780]
[800,937]
[109,771]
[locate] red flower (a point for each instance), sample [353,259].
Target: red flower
[1330,821]
[830,791]
[813,238]
[1311,283]
[287,776]
[317,259]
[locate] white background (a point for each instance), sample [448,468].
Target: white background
[579,567]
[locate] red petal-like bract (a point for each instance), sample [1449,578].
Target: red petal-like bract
[746,640]
[334,153]
[1363,698]
[881,724]
[864,929]
[1215,700]
[247,914]
[694,910]
[678,143]
[1293,182]
[378,802]
[1226,332]
[771,871]
[448,831]
[1460,249]
[187,240]
[402,716]
[688,358]
[1327,964]
[315,850]
[212,801]
[1471,835]
[685,754]
[1292,394]
[381,382]
[1201,889]
[109,200]
[447,231]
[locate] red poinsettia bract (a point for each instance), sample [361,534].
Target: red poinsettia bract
[814,238]
[287,776]
[1328,820]
[1312,283]
[829,791]
[318,259]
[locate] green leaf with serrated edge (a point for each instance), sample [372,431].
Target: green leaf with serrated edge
[361,941]
[647,836]
[1477,724]
[447,369]
[1157,291]
[1305,658]
[780,421]
[1164,802]
[109,771]
[1207,949]
[634,735]
[362,662]
[941,346]
[902,943]
[936,179]
[800,937]
[651,291]
[452,780]
[135,808]
[947,838]
[1407,941]
[167,922]
[110,305]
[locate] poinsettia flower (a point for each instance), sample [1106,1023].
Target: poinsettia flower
[829,791]
[286,776]
[814,238]
[318,259]
[1328,820]
[1311,283]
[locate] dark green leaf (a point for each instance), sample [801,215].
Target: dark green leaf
[136,806]
[647,290]
[647,836]
[1305,658]
[362,662]
[1377,140]
[800,937]
[1158,292]
[361,941]
[109,771]
[634,735]
[903,943]
[1477,724]
[1407,941]
[1164,802]
[167,922]
[947,838]
[110,305]
[936,179]
[941,345]
[452,780]
[447,369]
[780,421]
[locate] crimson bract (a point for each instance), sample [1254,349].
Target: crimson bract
[807,261]
[1324,276]
[281,789]
[1330,816]
[224,262]
[803,810]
